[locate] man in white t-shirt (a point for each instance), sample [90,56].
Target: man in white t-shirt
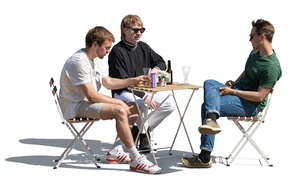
[79,97]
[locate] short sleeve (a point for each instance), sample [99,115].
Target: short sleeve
[78,71]
[101,66]
[268,78]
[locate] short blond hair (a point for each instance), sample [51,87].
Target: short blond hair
[128,21]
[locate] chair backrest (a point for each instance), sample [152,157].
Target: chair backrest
[54,90]
[266,109]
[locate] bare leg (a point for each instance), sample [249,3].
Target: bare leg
[113,111]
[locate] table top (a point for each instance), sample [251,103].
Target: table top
[174,86]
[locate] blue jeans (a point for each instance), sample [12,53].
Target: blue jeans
[228,105]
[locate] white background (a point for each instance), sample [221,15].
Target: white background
[36,37]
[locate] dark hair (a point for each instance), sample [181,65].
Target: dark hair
[98,34]
[263,26]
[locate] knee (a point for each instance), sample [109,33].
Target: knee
[168,106]
[209,82]
[120,113]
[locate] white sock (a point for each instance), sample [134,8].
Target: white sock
[117,147]
[134,153]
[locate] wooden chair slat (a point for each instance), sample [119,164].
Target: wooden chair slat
[82,120]
[243,118]
[249,118]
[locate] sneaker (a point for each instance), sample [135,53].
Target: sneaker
[195,162]
[210,127]
[144,166]
[144,146]
[117,158]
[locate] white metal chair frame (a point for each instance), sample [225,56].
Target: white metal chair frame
[78,134]
[247,134]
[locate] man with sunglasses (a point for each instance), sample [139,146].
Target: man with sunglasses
[245,97]
[127,59]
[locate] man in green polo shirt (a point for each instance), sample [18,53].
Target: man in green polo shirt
[245,97]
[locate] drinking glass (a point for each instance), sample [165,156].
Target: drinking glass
[146,71]
[186,71]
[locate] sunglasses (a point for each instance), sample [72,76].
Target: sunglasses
[136,30]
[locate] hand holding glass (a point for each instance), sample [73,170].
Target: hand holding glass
[146,71]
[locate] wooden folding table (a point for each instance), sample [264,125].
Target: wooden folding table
[145,116]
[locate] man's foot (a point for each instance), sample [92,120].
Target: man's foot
[117,157]
[210,127]
[144,146]
[144,166]
[195,162]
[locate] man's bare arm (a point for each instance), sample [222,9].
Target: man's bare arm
[115,83]
[93,96]
[253,96]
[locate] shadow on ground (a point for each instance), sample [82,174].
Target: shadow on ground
[78,160]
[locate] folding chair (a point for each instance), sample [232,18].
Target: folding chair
[255,121]
[78,134]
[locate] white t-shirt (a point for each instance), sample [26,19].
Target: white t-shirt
[78,70]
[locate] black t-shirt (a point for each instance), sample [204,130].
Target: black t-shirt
[125,62]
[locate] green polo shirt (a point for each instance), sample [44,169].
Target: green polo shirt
[260,71]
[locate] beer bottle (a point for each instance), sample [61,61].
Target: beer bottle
[170,73]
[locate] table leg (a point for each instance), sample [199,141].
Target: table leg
[146,117]
[182,122]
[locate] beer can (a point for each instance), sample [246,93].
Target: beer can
[153,80]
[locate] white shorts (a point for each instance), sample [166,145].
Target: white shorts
[88,110]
